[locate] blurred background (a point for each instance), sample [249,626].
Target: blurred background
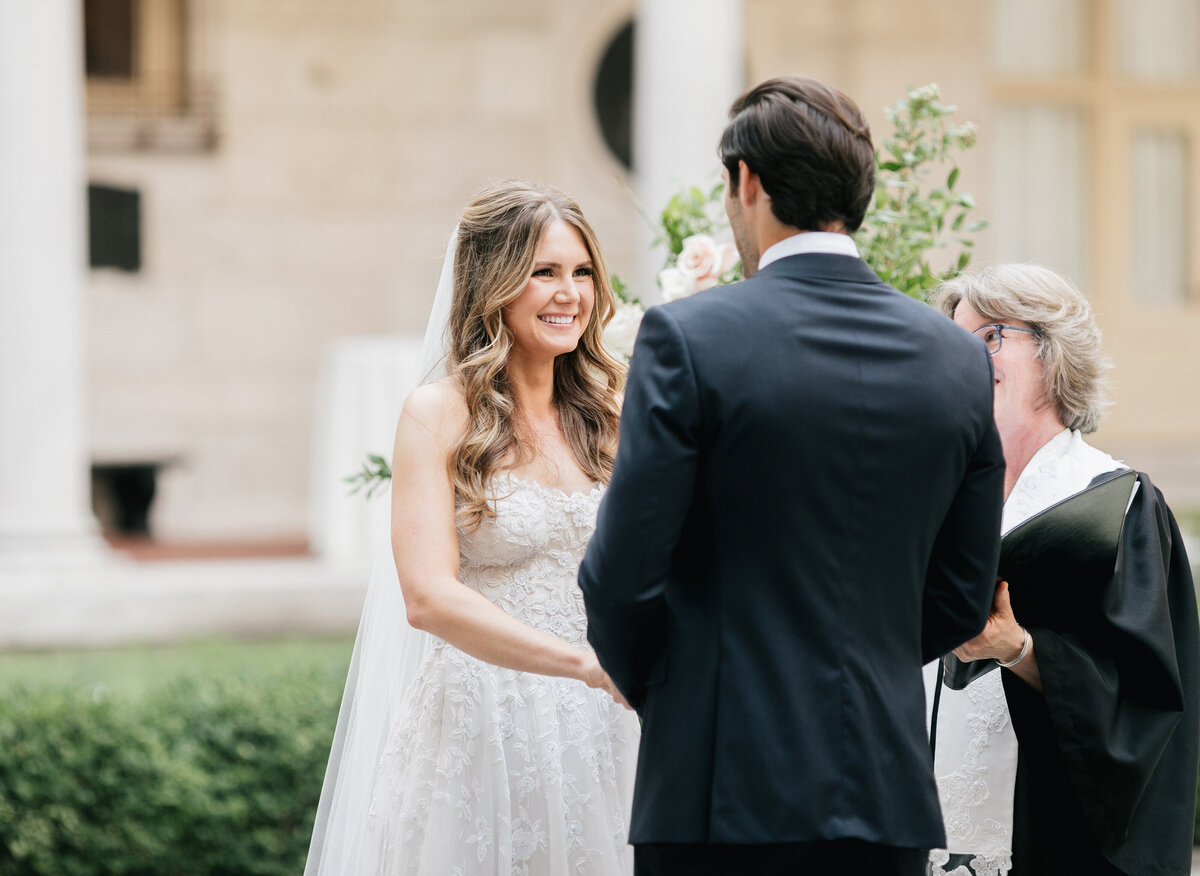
[262,192]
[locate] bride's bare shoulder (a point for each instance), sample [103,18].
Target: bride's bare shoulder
[437,406]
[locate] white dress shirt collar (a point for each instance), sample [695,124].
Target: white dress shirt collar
[809,241]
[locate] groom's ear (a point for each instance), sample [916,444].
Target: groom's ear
[749,188]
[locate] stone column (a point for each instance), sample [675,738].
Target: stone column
[689,65]
[45,515]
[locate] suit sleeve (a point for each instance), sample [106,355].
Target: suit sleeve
[625,571]
[961,578]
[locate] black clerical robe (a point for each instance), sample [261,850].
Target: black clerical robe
[1107,769]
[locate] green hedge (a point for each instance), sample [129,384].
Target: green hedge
[200,776]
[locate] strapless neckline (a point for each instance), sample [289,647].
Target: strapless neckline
[547,488]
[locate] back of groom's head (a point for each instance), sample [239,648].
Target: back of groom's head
[810,146]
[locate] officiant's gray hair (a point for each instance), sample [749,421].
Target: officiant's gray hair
[1068,339]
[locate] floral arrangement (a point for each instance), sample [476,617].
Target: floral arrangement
[700,255]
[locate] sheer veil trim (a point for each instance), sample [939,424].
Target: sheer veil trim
[436,346]
[387,655]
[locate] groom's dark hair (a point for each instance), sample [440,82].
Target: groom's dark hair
[810,146]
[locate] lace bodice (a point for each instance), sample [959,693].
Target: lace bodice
[525,559]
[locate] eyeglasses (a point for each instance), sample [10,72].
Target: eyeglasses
[993,334]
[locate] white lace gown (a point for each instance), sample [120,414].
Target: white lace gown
[490,771]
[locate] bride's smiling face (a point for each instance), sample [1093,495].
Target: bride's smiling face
[549,316]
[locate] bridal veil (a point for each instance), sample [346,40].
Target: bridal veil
[387,654]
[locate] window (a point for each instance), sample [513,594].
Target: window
[134,56]
[108,39]
[1096,136]
[114,228]
[1160,216]
[146,84]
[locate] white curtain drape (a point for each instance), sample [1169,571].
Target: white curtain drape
[1160,217]
[1156,39]
[1042,37]
[361,389]
[1039,205]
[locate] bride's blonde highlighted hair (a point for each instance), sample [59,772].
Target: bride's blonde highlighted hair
[498,239]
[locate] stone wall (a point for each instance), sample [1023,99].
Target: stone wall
[349,134]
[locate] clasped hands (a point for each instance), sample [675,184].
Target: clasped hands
[1002,638]
[594,676]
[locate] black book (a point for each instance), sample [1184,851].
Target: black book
[1055,562]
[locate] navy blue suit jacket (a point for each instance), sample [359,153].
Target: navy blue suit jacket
[805,508]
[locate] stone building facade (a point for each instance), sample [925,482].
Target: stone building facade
[298,166]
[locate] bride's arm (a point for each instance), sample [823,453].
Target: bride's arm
[425,545]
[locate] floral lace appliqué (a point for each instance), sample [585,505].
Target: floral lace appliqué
[965,790]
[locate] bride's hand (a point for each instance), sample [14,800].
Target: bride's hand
[616,694]
[594,676]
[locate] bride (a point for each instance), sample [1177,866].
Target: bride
[506,750]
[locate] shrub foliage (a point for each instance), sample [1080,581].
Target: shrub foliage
[197,777]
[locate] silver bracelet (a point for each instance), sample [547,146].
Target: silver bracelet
[1025,646]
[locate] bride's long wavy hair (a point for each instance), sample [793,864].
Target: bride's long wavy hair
[498,239]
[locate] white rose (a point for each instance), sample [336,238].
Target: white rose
[622,329]
[700,258]
[675,283]
[706,261]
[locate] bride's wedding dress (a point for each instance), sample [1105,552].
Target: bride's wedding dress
[488,770]
[443,765]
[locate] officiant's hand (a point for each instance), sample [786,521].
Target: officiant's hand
[1002,637]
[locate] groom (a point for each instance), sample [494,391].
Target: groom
[804,509]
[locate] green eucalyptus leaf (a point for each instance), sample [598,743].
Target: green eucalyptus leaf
[909,218]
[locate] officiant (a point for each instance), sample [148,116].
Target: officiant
[1079,755]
